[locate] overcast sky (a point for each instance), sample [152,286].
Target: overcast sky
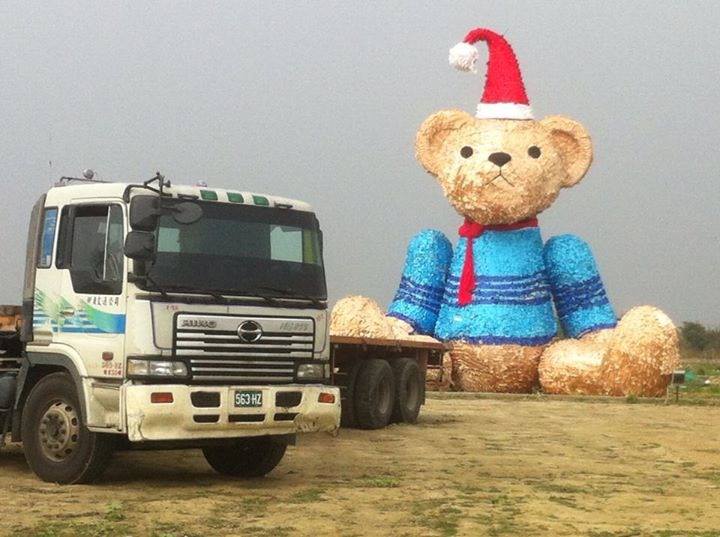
[321,101]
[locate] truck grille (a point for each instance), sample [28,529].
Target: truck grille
[243,350]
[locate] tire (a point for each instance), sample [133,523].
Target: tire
[58,446]
[409,388]
[251,457]
[374,394]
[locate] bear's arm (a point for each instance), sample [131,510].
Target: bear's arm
[422,286]
[580,299]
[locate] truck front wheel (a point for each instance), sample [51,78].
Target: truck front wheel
[57,445]
[250,457]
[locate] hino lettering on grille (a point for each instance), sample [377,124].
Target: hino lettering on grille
[198,323]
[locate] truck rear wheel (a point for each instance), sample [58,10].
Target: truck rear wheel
[374,394]
[57,445]
[409,386]
[251,457]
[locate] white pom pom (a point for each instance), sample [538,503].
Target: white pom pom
[463,57]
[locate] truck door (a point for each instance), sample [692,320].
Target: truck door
[91,303]
[41,278]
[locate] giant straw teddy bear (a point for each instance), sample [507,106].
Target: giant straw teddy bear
[497,297]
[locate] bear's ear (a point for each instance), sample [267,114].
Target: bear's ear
[432,135]
[573,143]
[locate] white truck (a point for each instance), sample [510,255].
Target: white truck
[156,315]
[166,316]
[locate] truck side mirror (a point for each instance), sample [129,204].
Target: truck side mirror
[140,245]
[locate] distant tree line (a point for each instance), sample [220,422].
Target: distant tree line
[699,337]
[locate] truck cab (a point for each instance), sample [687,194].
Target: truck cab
[158,315]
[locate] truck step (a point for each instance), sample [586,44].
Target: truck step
[9,365]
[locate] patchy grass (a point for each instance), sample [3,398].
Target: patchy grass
[440,517]
[499,467]
[102,528]
[380,482]
[309,495]
[99,528]
[114,512]
[702,380]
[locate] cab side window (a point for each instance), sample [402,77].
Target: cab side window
[47,240]
[92,248]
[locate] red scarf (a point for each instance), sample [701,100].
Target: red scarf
[472,230]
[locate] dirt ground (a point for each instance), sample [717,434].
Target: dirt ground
[470,467]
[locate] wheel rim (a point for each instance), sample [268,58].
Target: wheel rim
[383,396]
[59,431]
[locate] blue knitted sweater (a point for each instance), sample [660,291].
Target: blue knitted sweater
[522,288]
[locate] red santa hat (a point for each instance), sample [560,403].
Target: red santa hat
[504,96]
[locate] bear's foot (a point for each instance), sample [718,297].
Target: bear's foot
[494,368]
[637,357]
[643,353]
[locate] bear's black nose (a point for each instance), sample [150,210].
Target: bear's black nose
[499,159]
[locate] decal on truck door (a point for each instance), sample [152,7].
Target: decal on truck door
[62,316]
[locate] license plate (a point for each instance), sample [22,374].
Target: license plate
[248,398]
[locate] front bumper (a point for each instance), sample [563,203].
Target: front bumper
[183,420]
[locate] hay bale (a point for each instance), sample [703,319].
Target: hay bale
[494,368]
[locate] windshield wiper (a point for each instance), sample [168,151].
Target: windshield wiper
[223,298]
[290,294]
[161,290]
[215,294]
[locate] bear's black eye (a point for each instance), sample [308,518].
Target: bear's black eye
[466,152]
[534,151]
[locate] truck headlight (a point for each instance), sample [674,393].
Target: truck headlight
[137,367]
[311,371]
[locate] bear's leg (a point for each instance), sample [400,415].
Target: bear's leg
[494,368]
[572,366]
[636,357]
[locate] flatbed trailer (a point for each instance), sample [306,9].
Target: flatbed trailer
[382,381]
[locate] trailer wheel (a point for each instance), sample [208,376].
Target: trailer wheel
[57,445]
[409,386]
[374,394]
[251,457]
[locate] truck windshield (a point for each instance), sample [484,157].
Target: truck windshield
[241,250]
